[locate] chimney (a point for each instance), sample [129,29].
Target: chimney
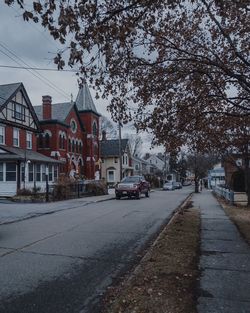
[47,107]
[104,137]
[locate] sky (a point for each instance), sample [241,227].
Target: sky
[28,44]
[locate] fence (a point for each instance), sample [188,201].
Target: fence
[238,198]
[77,189]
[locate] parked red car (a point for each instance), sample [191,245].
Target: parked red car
[132,186]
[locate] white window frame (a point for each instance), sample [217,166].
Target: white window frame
[2,135]
[16,131]
[111,181]
[28,140]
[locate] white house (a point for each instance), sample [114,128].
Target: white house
[110,166]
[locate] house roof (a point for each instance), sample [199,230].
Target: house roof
[111,147]
[140,160]
[59,111]
[84,101]
[7,91]
[11,153]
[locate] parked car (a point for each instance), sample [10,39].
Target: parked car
[177,185]
[132,186]
[168,185]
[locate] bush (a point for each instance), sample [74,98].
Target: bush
[96,188]
[24,192]
[61,189]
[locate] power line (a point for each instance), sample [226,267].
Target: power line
[37,68]
[33,72]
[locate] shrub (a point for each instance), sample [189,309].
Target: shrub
[24,192]
[96,188]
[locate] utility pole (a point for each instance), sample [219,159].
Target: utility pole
[120,143]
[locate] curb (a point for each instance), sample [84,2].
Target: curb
[147,254]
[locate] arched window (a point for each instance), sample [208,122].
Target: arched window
[40,141]
[69,145]
[73,145]
[94,128]
[47,140]
[80,147]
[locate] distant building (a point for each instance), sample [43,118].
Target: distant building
[216,176]
[141,166]
[110,168]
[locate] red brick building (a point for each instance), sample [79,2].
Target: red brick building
[70,134]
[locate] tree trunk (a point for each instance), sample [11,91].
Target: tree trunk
[247,178]
[196,182]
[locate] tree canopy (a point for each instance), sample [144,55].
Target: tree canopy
[184,63]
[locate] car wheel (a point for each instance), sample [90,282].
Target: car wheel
[138,195]
[147,194]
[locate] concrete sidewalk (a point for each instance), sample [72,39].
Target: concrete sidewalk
[224,263]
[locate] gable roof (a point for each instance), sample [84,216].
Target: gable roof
[139,160]
[59,111]
[110,148]
[84,101]
[7,92]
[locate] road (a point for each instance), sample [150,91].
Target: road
[63,261]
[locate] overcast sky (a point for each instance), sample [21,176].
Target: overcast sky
[26,43]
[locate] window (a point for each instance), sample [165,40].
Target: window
[50,173]
[55,172]
[2,135]
[137,167]
[16,137]
[47,140]
[116,160]
[126,159]
[94,129]
[43,172]
[62,139]
[73,126]
[111,176]
[18,111]
[10,171]
[1,171]
[31,171]
[40,141]
[73,145]
[29,140]
[80,147]
[38,172]
[69,148]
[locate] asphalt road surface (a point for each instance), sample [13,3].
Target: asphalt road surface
[63,261]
